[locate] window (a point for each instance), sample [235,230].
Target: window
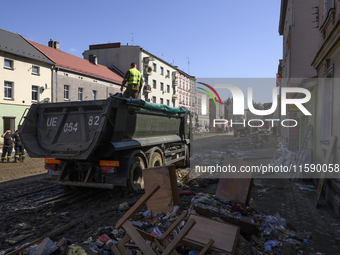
[328,4]
[174,91]
[162,71]
[8,64]
[154,84]
[168,73]
[168,88]
[154,67]
[35,93]
[161,100]
[173,103]
[154,100]
[66,92]
[8,93]
[94,94]
[186,101]
[162,86]
[35,70]
[81,94]
[168,102]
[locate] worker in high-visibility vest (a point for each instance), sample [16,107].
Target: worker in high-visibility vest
[134,80]
[8,146]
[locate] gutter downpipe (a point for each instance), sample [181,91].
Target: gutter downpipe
[56,84]
[140,60]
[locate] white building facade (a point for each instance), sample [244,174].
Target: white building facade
[160,77]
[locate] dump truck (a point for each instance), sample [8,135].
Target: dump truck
[106,143]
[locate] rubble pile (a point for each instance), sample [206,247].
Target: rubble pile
[284,157]
[259,233]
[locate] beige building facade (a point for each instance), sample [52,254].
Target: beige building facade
[25,78]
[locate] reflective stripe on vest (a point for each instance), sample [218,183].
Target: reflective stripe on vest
[134,77]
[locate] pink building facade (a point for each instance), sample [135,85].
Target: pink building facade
[186,90]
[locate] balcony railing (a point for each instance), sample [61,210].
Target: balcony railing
[174,97]
[147,89]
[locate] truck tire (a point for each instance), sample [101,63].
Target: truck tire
[156,160]
[136,181]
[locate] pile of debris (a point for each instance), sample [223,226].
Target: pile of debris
[222,223]
[284,157]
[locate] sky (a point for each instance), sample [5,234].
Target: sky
[206,39]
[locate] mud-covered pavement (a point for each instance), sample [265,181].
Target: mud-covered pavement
[30,208]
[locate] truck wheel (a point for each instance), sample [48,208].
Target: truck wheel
[136,181]
[156,160]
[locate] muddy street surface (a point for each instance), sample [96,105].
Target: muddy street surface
[31,208]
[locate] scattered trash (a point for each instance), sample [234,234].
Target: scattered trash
[269,244]
[74,250]
[123,206]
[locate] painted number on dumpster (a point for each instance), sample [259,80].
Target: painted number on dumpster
[69,127]
[52,121]
[94,120]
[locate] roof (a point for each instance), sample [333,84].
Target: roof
[74,63]
[185,74]
[13,43]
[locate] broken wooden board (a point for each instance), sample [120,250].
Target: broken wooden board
[322,179]
[235,186]
[224,235]
[245,224]
[167,196]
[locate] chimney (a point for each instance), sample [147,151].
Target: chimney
[93,59]
[53,44]
[56,45]
[50,43]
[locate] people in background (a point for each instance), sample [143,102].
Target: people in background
[19,149]
[8,146]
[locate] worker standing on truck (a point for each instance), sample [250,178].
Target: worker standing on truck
[134,80]
[8,146]
[19,149]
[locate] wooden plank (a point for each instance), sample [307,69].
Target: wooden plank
[225,235]
[113,248]
[26,246]
[173,225]
[159,246]
[206,247]
[152,190]
[235,186]
[165,243]
[322,179]
[167,196]
[133,233]
[121,245]
[187,227]
[147,236]
[174,185]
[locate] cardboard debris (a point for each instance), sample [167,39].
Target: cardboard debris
[167,196]
[224,235]
[235,186]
